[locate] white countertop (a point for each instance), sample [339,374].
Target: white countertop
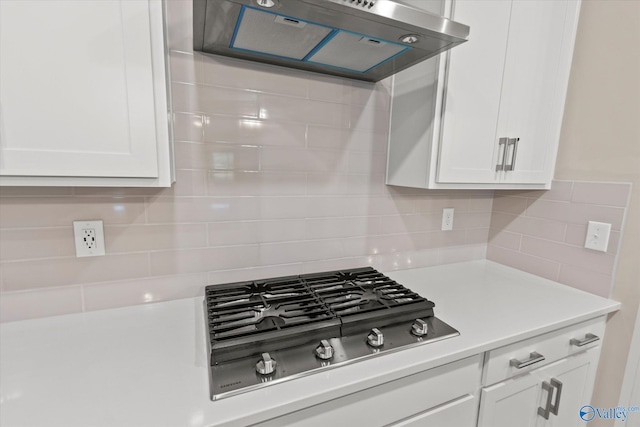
[147,365]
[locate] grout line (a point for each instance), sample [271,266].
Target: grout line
[557,275]
[520,243]
[148,264]
[571,191]
[82,299]
[145,201]
[44,288]
[46,227]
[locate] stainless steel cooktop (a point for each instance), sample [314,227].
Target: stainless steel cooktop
[267,331]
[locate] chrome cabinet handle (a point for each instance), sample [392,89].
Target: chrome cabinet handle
[545,411]
[533,358]
[511,142]
[588,339]
[555,407]
[502,142]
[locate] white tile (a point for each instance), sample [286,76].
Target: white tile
[290,252]
[40,303]
[106,295]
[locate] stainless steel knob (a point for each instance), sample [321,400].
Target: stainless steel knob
[419,328]
[375,338]
[266,365]
[324,351]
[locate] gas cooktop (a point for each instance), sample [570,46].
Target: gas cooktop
[266,331]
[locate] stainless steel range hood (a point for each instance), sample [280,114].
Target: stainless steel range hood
[359,39]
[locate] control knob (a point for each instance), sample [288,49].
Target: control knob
[324,351]
[419,328]
[375,338]
[266,365]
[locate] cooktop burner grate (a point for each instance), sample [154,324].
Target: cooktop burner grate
[253,307]
[246,318]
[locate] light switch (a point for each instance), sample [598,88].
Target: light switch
[598,236]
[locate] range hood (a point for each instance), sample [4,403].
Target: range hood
[359,39]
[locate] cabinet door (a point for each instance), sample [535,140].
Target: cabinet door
[469,148]
[77,89]
[511,402]
[576,375]
[536,73]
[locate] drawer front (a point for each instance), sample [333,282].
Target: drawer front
[459,413]
[383,405]
[535,352]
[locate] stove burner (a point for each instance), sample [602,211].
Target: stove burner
[346,275]
[263,313]
[270,322]
[265,331]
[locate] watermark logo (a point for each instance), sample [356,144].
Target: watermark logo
[588,412]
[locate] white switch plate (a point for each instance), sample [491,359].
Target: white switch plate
[447,219]
[89,238]
[598,236]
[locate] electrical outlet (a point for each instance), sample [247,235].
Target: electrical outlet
[89,238]
[447,219]
[598,236]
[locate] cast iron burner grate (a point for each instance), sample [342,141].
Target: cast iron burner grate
[247,318]
[262,306]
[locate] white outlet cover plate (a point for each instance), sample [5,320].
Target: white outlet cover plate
[447,219]
[78,233]
[598,236]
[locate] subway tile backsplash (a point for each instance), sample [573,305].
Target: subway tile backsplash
[544,232]
[278,172]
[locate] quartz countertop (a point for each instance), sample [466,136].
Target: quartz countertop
[147,365]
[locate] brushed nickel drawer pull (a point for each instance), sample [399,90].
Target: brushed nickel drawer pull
[588,339]
[545,411]
[533,358]
[555,407]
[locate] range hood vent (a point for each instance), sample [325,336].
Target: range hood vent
[364,40]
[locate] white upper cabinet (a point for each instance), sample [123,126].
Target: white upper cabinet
[84,96]
[496,103]
[472,102]
[536,74]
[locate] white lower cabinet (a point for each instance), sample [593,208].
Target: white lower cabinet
[548,396]
[538,382]
[542,381]
[444,396]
